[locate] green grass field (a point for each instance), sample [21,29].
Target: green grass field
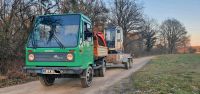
[175,74]
[166,74]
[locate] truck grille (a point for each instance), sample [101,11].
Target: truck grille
[50,57]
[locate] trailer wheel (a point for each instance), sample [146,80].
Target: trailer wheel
[130,62]
[86,81]
[96,73]
[126,64]
[46,80]
[102,70]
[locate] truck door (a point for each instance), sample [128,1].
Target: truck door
[88,43]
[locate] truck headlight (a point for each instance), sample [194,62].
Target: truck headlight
[31,57]
[70,56]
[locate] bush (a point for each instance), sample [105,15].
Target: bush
[192,50]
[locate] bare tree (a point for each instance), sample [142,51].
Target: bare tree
[128,15]
[16,19]
[149,30]
[172,32]
[184,43]
[15,22]
[95,9]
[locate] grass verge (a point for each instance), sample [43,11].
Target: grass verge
[166,74]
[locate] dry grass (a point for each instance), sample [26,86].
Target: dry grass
[14,73]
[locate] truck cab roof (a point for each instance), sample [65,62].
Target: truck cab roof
[81,14]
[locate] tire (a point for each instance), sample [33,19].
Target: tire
[130,63]
[126,64]
[96,73]
[102,70]
[46,80]
[86,81]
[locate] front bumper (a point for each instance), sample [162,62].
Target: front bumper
[55,70]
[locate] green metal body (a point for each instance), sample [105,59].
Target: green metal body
[83,52]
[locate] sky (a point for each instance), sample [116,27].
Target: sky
[186,11]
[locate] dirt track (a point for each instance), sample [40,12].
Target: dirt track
[72,86]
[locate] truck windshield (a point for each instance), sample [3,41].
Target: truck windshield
[55,31]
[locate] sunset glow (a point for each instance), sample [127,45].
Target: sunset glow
[195,39]
[186,11]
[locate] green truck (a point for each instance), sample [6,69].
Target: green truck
[63,45]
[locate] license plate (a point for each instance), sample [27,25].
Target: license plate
[47,71]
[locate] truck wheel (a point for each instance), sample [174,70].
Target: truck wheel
[46,80]
[102,70]
[126,64]
[86,81]
[130,63]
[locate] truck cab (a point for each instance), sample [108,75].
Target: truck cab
[61,46]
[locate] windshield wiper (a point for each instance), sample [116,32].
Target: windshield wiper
[53,35]
[59,42]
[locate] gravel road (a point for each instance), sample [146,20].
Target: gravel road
[73,86]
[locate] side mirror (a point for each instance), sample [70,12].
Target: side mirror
[88,35]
